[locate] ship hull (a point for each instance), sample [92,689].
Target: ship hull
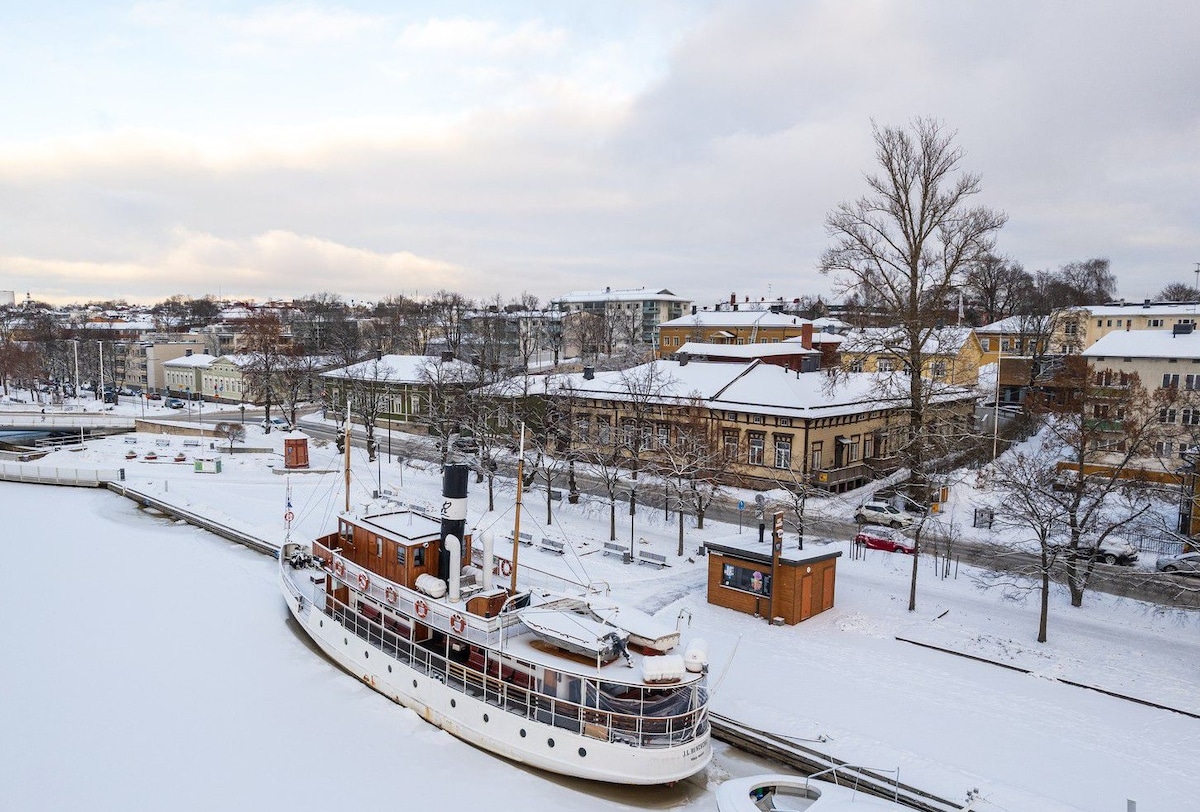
[485,724]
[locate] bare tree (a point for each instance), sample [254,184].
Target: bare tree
[689,456]
[1000,287]
[1179,292]
[265,348]
[233,432]
[906,246]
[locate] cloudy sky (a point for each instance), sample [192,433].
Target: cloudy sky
[369,149]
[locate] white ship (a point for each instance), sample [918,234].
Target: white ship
[552,681]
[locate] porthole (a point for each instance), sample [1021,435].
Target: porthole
[345,642]
[582,753]
[389,669]
[366,655]
[414,683]
[550,742]
[453,704]
[321,623]
[485,718]
[522,733]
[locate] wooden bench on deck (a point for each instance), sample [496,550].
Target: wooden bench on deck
[552,546]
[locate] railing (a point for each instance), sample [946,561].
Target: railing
[651,732]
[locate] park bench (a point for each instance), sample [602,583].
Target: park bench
[551,546]
[614,548]
[647,557]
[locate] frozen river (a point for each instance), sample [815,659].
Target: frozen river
[151,666]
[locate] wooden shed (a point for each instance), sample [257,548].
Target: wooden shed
[740,578]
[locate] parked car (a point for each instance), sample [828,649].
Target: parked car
[1184,563]
[882,513]
[463,445]
[875,537]
[278,423]
[153,396]
[173,403]
[1114,552]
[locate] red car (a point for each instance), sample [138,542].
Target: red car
[875,537]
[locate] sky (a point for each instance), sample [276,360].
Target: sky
[371,149]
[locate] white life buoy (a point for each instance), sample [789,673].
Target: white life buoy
[422,608]
[339,569]
[390,595]
[458,623]
[505,566]
[363,581]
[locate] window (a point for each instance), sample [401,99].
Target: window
[1191,382]
[583,427]
[418,556]
[756,418]
[1071,328]
[1166,415]
[868,446]
[816,457]
[1164,448]
[1190,417]
[664,435]
[855,366]
[1118,322]
[629,433]
[787,421]
[604,429]
[884,365]
[852,449]
[1170,381]
[1154,323]
[400,550]
[939,369]
[378,547]
[729,443]
[746,579]
[985,344]
[758,441]
[1005,345]
[783,451]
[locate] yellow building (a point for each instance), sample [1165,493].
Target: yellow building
[730,327]
[952,354]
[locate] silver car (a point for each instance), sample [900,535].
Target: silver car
[877,512]
[1183,563]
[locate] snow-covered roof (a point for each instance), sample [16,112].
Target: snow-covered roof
[818,338]
[946,341]
[1016,324]
[1141,309]
[745,351]
[622,295]
[196,359]
[753,388]
[736,318]
[1145,344]
[402,369]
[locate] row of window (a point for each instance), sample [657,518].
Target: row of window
[1187,417]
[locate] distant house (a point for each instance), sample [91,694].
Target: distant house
[952,354]
[184,376]
[406,383]
[639,312]
[731,327]
[1077,328]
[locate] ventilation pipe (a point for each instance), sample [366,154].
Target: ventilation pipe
[454,548]
[589,373]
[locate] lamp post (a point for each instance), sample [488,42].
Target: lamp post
[75,348]
[242,406]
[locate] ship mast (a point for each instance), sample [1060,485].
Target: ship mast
[346,452]
[512,586]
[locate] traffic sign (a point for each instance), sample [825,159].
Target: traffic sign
[741,504]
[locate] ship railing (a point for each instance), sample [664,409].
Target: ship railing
[634,730]
[478,630]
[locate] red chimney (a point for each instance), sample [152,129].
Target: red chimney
[806,335]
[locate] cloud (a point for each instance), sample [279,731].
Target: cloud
[482,38]
[273,264]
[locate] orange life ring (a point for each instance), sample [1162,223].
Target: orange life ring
[363,581]
[505,566]
[458,623]
[339,569]
[391,595]
[422,608]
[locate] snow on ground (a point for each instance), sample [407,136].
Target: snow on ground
[263,708]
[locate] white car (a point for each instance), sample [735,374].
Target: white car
[882,513]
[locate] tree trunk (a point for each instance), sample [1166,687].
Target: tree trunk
[699,517]
[912,589]
[612,518]
[491,493]
[1045,609]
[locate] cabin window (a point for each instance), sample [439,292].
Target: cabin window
[418,556]
[400,554]
[745,579]
[378,547]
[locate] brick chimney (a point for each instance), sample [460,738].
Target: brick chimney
[806,335]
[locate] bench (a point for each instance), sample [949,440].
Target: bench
[614,548]
[162,442]
[551,546]
[193,443]
[525,539]
[647,557]
[131,440]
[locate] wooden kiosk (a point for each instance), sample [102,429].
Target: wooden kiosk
[740,577]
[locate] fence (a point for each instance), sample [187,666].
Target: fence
[54,475]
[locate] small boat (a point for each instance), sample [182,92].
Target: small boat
[575,632]
[796,793]
[131,455]
[150,455]
[180,457]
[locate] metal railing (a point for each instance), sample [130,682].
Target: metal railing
[651,732]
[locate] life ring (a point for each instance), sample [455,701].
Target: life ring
[339,569]
[363,581]
[505,566]
[422,608]
[458,623]
[391,595]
